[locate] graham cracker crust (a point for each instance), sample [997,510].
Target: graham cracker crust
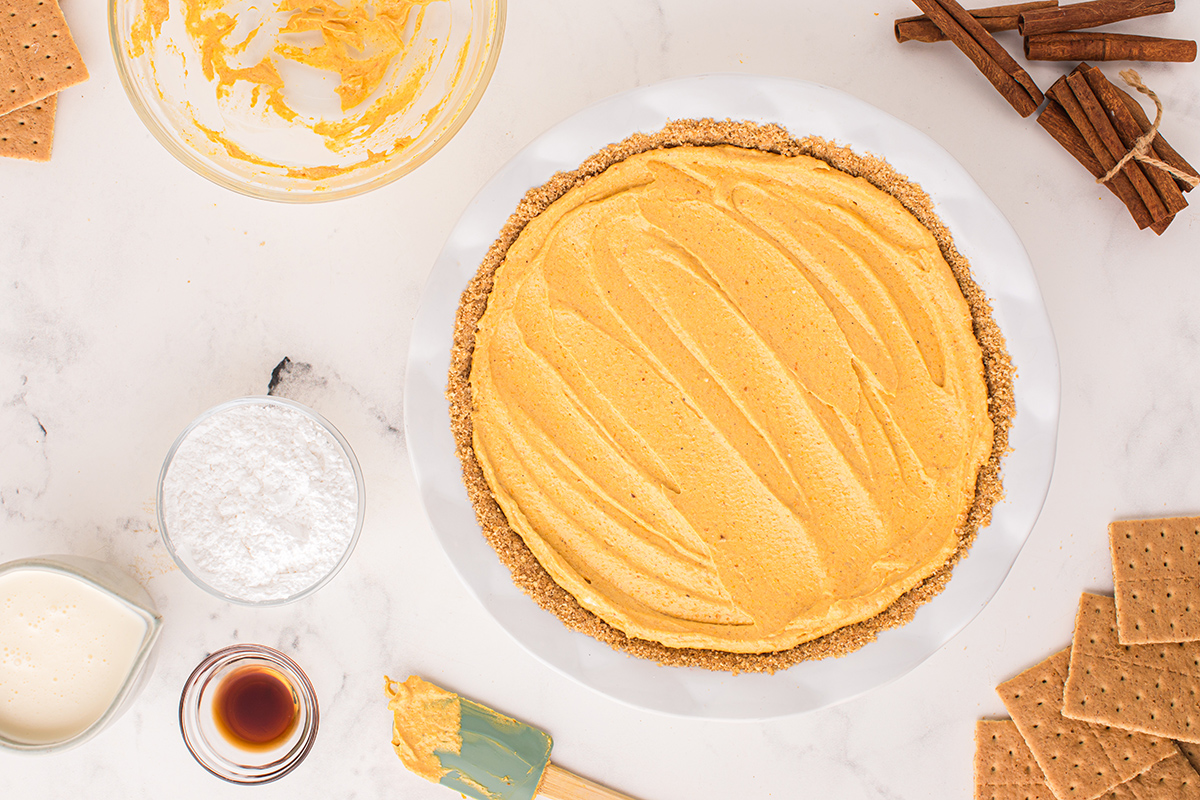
[533,579]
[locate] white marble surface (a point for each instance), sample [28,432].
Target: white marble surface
[135,295]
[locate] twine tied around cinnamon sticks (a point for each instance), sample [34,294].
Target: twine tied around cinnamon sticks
[1141,148]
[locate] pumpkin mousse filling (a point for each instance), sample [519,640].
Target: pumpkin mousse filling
[730,399]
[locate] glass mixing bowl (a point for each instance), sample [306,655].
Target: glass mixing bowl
[302,102]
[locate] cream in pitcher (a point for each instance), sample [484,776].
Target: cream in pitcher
[66,649]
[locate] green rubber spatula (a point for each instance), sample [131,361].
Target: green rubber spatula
[476,751]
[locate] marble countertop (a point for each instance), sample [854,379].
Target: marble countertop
[136,295]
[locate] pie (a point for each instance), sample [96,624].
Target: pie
[728,398]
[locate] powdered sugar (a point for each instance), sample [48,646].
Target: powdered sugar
[260,501]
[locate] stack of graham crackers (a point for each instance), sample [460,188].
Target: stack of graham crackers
[38,59]
[1117,714]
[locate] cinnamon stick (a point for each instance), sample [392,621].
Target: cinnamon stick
[1165,152]
[1120,184]
[1000,68]
[1056,122]
[993,18]
[1129,131]
[1087,15]
[1161,225]
[1093,46]
[1103,126]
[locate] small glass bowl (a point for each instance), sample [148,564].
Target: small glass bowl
[123,589]
[213,750]
[191,570]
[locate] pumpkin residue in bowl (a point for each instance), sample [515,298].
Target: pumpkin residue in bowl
[309,88]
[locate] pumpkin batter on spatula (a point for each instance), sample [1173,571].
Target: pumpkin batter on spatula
[476,751]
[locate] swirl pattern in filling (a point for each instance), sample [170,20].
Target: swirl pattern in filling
[730,399]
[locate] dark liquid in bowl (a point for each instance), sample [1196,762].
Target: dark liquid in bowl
[255,707]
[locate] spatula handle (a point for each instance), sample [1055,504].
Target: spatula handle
[558,784]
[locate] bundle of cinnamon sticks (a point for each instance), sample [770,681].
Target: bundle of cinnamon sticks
[1100,125]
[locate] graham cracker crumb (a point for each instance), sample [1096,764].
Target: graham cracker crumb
[533,579]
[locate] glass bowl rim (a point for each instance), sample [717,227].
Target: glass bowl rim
[323,423]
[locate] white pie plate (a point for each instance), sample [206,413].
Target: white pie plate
[1000,266]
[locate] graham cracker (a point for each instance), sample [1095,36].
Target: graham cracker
[1191,751]
[38,57]
[28,132]
[1005,769]
[1156,573]
[1151,688]
[1173,778]
[1081,760]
